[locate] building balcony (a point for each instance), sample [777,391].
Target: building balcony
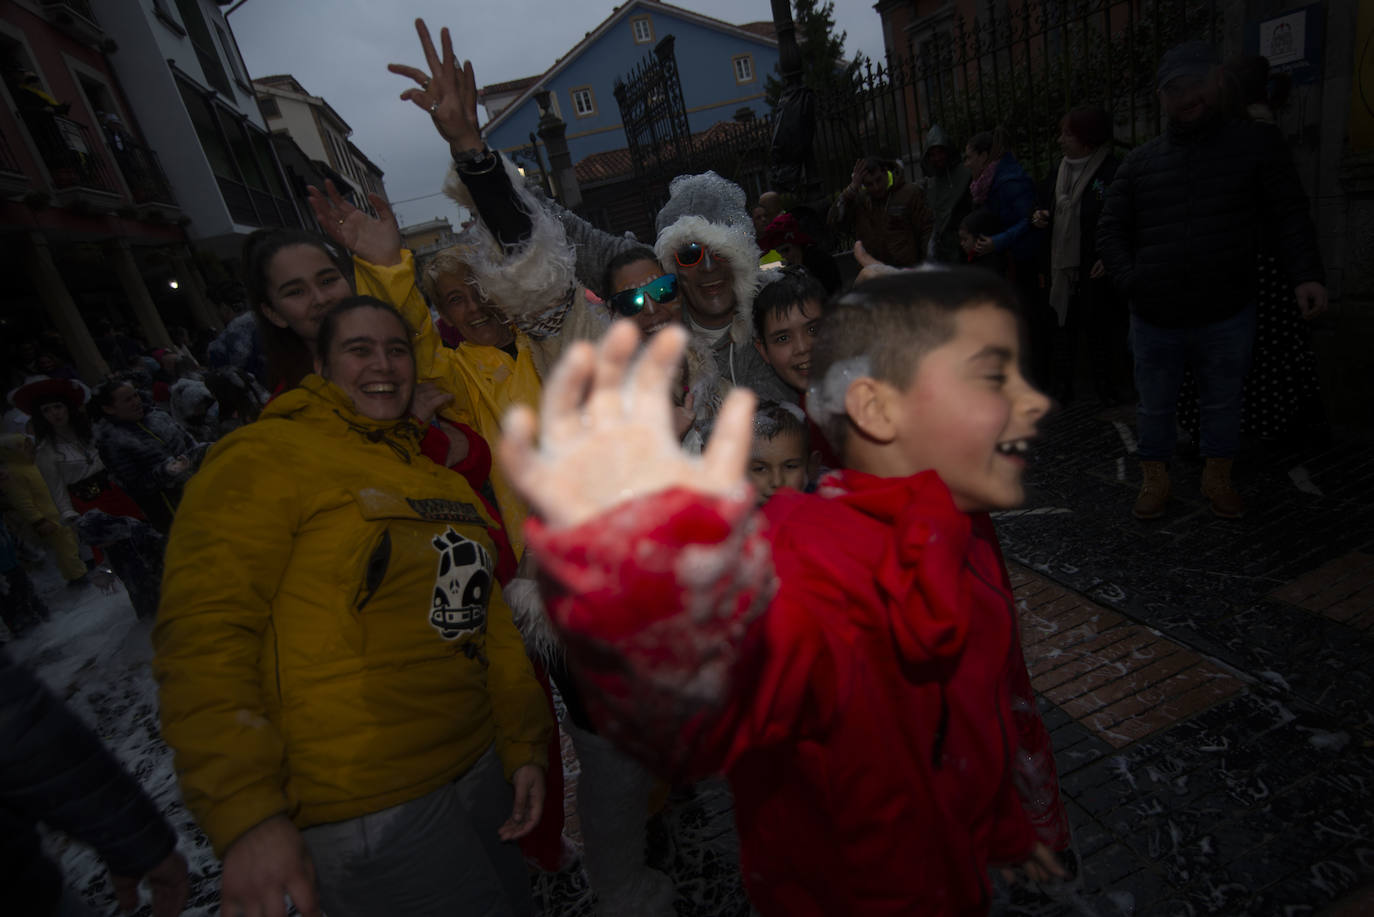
[80,173]
[77,19]
[13,181]
[142,172]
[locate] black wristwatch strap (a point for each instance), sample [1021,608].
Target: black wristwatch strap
[475,162]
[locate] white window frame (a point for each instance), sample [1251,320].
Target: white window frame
[231,53]
[648,22]
[591,100]
[748,61]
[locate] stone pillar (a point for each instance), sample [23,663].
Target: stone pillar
[552,131]
[142,301]
[47,280]
[192,286]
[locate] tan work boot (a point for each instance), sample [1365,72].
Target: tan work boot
[1154,490]
[1216,487]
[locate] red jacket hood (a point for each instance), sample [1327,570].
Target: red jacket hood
[922,572]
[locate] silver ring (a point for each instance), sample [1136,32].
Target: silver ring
[341,222]
[433,107]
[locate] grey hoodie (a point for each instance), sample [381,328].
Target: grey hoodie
[946,192]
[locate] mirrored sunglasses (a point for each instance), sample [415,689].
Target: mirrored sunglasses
[631,302]
[690,255]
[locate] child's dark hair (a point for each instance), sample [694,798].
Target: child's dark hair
[883,327]
[329,325]
[103,396]
[981,222]
[629,256]
[790,288]
[288,357]
[775,418]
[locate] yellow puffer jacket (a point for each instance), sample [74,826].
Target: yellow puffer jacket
[25,495]
[486,382]
[332,640]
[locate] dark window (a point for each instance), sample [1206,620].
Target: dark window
[263,144]
[270,109]
[203,117]
[199,34]
[243,152]
[231,54]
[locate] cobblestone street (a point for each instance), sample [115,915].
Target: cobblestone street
[1207,683]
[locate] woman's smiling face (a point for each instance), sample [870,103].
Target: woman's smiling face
[303,283]
[371,360]
[464,309]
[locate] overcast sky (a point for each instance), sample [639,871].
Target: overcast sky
[339,49]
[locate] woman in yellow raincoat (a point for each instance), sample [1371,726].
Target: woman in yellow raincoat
[341,680]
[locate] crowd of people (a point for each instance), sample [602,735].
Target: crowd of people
[739,524]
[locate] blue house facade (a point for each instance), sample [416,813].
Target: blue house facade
[722,69]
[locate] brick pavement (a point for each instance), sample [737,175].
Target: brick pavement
[1209,685]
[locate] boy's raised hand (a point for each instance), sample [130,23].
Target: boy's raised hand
[606,435]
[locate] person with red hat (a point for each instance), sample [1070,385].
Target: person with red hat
[66,456]
[104,517]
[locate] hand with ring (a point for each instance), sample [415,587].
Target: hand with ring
[373,239]
[448,92]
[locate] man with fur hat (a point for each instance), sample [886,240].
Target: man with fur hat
[705,237]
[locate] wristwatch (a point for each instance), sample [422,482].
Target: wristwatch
[475,162]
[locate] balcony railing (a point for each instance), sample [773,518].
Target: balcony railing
[141,169]
[70,152]
[77,18]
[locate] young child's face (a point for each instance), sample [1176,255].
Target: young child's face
[969,414]
[777,462]
[786,344]
[966,241]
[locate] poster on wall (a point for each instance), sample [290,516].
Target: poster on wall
[1292,41]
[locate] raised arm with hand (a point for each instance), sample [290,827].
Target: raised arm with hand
[448,92]
[655,566]
[373,239]
[605,432]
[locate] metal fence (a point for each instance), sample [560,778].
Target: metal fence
[1017,69]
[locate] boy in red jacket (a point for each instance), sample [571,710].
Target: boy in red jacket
[850,660]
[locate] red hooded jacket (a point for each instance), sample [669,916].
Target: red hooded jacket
[850,660]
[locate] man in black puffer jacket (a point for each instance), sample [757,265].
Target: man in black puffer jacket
[54,770]
[1180,234]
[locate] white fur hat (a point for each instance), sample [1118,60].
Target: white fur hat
[709,210]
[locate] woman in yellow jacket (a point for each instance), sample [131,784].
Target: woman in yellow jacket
[341,680]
